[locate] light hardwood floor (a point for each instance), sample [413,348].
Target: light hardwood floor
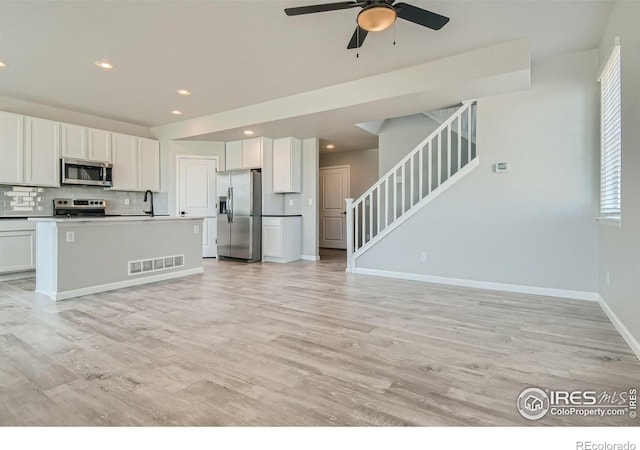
[298,344]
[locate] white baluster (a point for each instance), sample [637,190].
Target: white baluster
[459,142]
[412,181]
[403,178]
[449,151]
[378,213]
[429,167]
[469,120]
[395,194]
[356,228]
[350,214]
[371,215]
[420,170]
[439,158]
[386,202]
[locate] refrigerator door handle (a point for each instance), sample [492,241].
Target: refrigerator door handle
[232,205]
[228,212]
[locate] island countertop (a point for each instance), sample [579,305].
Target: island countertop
[79,219]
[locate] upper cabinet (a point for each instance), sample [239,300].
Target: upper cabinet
[244,154]
[136,163]
[125,162]
[74,141]
[85,143]
[99,145]
[233,155]
[252,153]
[29,151]
[11,148]
[42,152]
[287,165]
[148,164]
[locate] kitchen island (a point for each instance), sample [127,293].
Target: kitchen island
[81,256]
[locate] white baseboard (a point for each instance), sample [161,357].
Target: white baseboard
[17,275]
[517,288]
[310,258]
[624,332]
[119,284]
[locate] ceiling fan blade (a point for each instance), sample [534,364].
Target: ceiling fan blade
[319,8]
[420,16]
[356,41]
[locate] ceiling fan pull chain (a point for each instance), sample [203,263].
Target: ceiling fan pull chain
[358,41]
[394,33]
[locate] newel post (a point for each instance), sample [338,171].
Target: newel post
[349,202]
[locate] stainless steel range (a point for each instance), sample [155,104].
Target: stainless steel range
[71,207]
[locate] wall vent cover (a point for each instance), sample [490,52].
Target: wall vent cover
[155,264]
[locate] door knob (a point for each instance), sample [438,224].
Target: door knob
[183,213]
[343,212]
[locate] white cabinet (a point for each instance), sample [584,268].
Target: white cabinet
[99,145]
[42,152]
[287,165]
[136,163]
[74,141]
[17,248]
[244,154]
[148,164]
[11,148]
[233,155]
[125,162]
[281,238]
[252,153]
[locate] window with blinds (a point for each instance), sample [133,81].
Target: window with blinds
[611,135]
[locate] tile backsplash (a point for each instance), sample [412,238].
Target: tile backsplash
[38,201]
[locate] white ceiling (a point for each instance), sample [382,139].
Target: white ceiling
[237,53]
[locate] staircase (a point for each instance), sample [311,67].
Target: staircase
[443,158]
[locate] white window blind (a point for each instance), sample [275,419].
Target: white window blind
[611,135]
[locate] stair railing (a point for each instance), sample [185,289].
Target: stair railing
[407,185]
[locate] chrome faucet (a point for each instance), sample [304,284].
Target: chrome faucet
[147,193]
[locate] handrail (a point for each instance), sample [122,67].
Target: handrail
[431,167]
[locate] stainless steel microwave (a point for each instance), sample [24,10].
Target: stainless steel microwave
[86,173]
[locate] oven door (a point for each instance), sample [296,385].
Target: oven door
[86,173]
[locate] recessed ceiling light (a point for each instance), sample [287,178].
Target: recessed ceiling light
[104,64]
[248,132]
[330,147]
[183,92]
[176,112]
[3,64]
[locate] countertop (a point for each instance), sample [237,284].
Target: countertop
[282,215]
[110,219]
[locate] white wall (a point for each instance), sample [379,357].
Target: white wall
[363,168]
[534,225]
[168,152]
[399,136]
[620,247]
[73,117]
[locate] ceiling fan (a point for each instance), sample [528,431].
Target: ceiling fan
[376,15]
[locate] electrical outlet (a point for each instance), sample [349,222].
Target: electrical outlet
[310,202]
[607,278]
[71,236]
[290,202]
[196,229]
[126,202]
[423,257]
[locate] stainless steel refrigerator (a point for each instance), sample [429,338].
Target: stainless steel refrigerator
[239,215]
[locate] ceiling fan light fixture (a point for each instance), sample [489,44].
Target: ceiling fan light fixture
[376,17]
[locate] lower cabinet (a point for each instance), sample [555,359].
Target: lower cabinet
[17,249]
[281,238]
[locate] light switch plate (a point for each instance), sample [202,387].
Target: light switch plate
[71,236]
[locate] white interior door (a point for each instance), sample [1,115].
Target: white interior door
[197,197]
[334,189]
